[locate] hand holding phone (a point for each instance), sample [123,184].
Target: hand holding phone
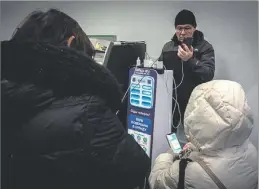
[185,50]
[188,42]
[174,143]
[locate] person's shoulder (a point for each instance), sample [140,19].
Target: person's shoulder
[207,43]
[86,103]
[168,46]
[90,102]
[71,101]
[79,105]
[169,43]
[96,101]
[200,39]
[203,45]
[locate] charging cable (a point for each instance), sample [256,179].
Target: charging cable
[182,76]
[176,104]
[175,90]
[178,107]
[127,91]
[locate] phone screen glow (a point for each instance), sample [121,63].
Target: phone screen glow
[174,143]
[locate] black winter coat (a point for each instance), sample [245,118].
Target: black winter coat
[59,127]
[188,75]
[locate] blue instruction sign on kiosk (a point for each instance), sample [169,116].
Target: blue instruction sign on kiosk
[141,106]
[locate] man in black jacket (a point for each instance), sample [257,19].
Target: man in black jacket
[59,124]
[192,66]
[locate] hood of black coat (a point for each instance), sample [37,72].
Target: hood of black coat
[198,37]
[36,74]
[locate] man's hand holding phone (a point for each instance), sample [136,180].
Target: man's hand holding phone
[185,53]
[185,50]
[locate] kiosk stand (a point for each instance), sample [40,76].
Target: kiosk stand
[120,56]
[149,109]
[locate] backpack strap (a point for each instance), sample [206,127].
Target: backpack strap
[208,171]
[211,174]
[182,166]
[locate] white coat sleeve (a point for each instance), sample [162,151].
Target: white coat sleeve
[163,173]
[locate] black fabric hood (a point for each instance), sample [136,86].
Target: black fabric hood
[198,37]
[35,74]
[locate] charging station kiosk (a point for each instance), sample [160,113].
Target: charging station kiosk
[150,109]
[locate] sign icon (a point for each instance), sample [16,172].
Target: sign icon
[142,95]
[145,140]
[138,137]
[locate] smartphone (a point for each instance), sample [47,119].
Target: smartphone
[188,41]
[174,143]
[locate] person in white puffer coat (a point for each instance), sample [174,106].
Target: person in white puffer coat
[218,123]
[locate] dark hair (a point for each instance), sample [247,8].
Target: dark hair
[53,27]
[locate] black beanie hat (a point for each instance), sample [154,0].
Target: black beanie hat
[185,17]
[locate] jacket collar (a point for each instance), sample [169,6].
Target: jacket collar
[198,37]
[61,70]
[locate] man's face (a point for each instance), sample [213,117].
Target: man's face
[183,31]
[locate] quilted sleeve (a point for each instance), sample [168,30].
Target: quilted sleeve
[162,174]
[119,159]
